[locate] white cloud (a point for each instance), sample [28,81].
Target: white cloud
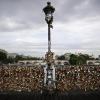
[24,30]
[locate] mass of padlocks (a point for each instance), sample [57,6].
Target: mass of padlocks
[31,78]
[21,78]
[85,78]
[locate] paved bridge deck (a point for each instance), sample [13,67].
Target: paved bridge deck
[50,96]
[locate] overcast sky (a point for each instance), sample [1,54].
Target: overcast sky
[76,26]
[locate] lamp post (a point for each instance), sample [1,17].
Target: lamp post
[49,10]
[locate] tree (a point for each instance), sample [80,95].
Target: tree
[79,59]
[18,57]
[3,57]
[62,57]
[10,60]
[73,59]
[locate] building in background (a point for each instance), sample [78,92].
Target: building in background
[67,56]
[12,55]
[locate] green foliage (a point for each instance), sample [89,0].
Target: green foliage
[3,57]
[79,59]
[10,60]
[76,59]
[73,59]
[62,57]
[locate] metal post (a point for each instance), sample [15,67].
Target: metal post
[49,70]
[49,38]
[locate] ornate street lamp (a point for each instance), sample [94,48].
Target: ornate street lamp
[49,10]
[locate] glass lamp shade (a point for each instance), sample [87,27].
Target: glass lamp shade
[48,17]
